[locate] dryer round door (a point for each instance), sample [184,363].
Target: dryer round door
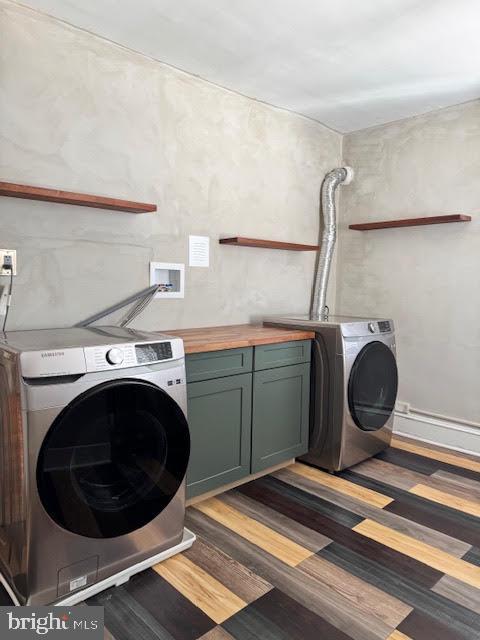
[372,387]
[113,459]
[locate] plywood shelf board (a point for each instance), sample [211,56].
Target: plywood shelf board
[13,190]
[240,241]
[410,222]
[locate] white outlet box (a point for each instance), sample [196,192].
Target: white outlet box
[402,407]
[172,275]
[13,254]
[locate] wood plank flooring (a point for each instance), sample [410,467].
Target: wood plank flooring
[387,550]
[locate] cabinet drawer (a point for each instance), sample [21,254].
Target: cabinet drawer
[218,364]
[269,356]
[219,417]
[280,415]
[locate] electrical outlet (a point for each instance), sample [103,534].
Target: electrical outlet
[402,407]
[13,254]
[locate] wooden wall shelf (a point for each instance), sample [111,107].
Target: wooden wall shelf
[69,197]
[268,244]
[410,222]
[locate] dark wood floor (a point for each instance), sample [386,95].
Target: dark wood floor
[387,549]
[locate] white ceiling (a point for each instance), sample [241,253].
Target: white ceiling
[349,64]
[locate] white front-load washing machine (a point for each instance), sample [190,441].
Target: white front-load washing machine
[94,447]
[354,388]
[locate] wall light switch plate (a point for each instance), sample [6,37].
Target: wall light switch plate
[13,254]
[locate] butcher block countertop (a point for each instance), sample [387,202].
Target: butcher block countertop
[235,336]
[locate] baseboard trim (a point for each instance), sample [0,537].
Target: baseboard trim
[445,433]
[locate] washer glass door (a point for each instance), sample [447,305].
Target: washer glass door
[372,387]
[113,459]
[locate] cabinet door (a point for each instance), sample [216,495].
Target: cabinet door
[219,417]
[280,415]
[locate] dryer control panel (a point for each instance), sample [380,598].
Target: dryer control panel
[360,328]
[384,326]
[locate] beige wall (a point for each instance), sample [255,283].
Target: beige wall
[426,278]
[77,112]
[80,113]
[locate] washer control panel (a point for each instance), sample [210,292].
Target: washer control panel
[122,356]
[49,353]
[75,360]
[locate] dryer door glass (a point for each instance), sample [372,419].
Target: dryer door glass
[372,388]
[113,459]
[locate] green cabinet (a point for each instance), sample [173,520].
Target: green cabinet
[219,417]
[280,415]
[248,409]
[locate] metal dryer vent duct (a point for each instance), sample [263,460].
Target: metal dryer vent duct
[334,178]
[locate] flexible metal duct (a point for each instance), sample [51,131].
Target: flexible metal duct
[342,175]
